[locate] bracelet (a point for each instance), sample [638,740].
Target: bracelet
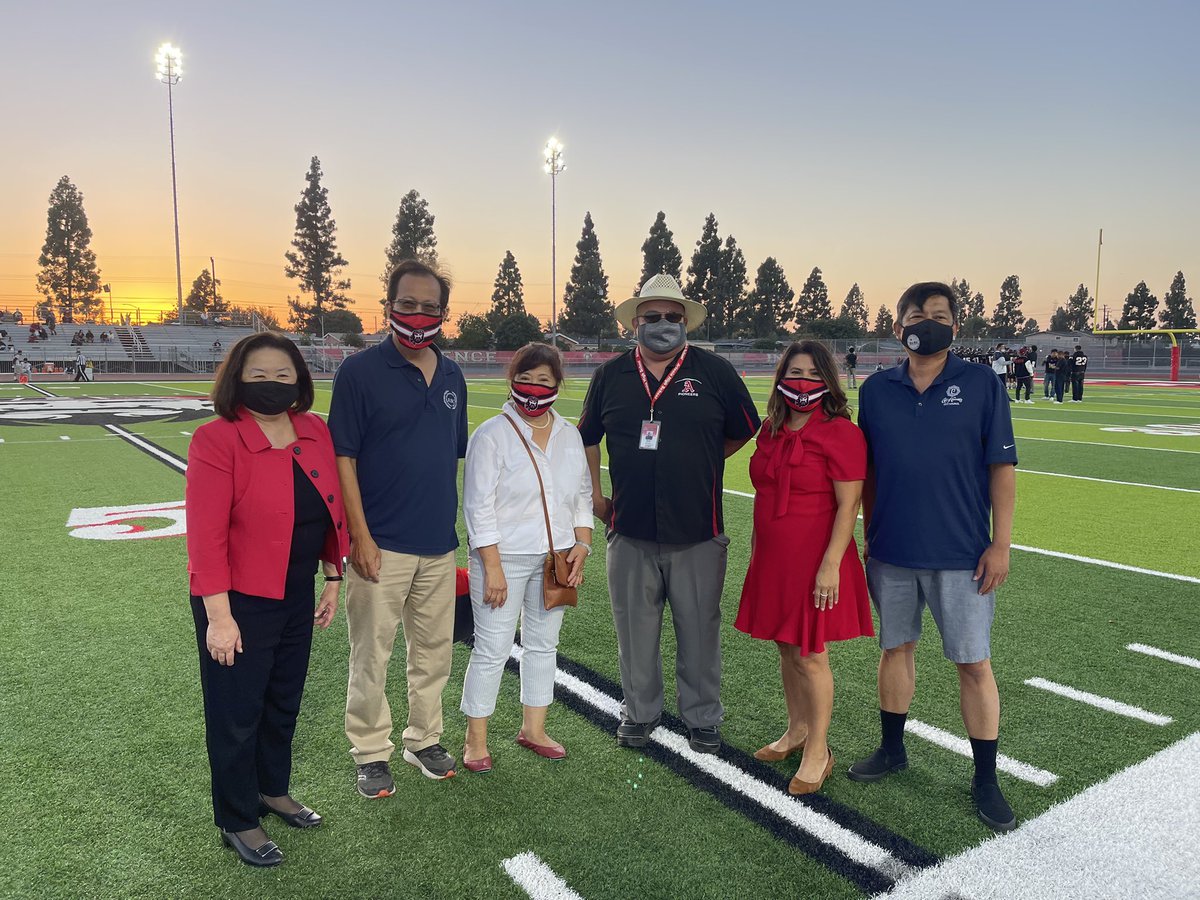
[585,545]
[334,577]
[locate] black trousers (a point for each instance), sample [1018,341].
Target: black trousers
[1026,382]
[1060,385]
[1077,386]
[250,708]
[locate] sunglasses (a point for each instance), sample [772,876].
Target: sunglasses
[651,317]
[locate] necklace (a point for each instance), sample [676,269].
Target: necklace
[539,427]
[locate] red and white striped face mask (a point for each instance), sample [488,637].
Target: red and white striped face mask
[533,399]
[415,330]
[802,394]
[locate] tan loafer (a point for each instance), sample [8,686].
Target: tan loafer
[770,754]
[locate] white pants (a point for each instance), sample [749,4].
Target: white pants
[495,629]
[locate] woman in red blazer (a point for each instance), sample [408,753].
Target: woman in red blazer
[263,509]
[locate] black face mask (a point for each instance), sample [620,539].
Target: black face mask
[927,337]
[268,398]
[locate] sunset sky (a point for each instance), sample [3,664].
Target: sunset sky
[883,142]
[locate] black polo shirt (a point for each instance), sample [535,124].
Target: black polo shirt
[671,495]
[407,437]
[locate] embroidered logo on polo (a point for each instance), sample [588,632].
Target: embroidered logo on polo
[953,396]
[102,410]
[688,387]
[450,399]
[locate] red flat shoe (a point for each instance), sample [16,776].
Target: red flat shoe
[553,751]
[478,766]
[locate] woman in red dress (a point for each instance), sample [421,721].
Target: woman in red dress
[805,585]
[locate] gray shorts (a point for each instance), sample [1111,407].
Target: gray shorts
[963,616]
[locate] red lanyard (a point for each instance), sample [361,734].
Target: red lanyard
[637,356]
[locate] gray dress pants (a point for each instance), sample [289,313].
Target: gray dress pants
[642,577]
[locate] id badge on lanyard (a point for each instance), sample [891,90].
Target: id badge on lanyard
[651,429]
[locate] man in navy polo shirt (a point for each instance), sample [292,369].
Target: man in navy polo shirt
[399,423]
[941,462]
[671,413]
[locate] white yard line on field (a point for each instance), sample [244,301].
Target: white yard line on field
[537,879]
[1107,564]
[1022,437]
[1105,703]
[1164,654]
[1157,487]
[962,747]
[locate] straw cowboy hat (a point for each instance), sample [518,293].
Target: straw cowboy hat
[661,287]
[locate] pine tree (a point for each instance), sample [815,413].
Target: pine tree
[586,310]
[854,308]
[884,322]
[1061,320]
[727,304]
[315,262]
[205,295]
[474,332]
[508,297]
[1139,308]
[1178,311]
[769,303]
[1008,318]
[68,277]
[412,234]
[1078,310]
[812,303]
[969,304]
[1030,326]
[659,253]
[706,261]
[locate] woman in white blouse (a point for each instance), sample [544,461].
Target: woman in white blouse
[502,505]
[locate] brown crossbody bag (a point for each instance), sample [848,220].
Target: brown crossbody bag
[556,572]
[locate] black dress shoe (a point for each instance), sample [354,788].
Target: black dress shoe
[635,734]
[877,766]
[705,740]
[265,856]
[305,818]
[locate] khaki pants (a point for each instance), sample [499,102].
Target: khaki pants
[417,591]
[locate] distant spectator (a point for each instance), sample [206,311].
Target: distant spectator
[89,337]
[216,347]
[851,365]
[51,322]
[17,317]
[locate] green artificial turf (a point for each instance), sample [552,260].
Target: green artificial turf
[105,785]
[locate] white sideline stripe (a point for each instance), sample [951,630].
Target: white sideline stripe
[1105,703]
[1164,654]
[783,805]
[1108,564]
[170,385]
[1132,835]
[1021,437]
[537,879]
[64,437]
[955,744]
[148,447]
[1157,487]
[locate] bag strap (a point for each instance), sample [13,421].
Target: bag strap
[538,472]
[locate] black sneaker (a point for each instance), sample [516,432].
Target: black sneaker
[375,780]
[993,809]
[635,734]
[877,766]
[705,740]
[434,762]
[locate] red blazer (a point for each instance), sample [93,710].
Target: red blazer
[239,504]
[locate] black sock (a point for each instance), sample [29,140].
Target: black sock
[985,760]
[893,732]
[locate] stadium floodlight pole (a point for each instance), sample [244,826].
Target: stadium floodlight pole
[553,167]
[1098,325]
[169,69]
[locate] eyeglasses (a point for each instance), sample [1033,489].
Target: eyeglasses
[412,306]
[673,317]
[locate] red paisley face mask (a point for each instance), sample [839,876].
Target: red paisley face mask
[415,330]
[533,399]
[802,394]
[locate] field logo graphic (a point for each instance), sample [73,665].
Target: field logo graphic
[102,410]
[1180,430]
[128,523]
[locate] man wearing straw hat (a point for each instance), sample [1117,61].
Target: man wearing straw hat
[672,414]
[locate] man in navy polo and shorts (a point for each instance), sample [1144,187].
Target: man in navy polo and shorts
[938,511]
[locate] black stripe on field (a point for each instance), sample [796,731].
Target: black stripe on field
[900,847]
[866,879]
[137,442]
